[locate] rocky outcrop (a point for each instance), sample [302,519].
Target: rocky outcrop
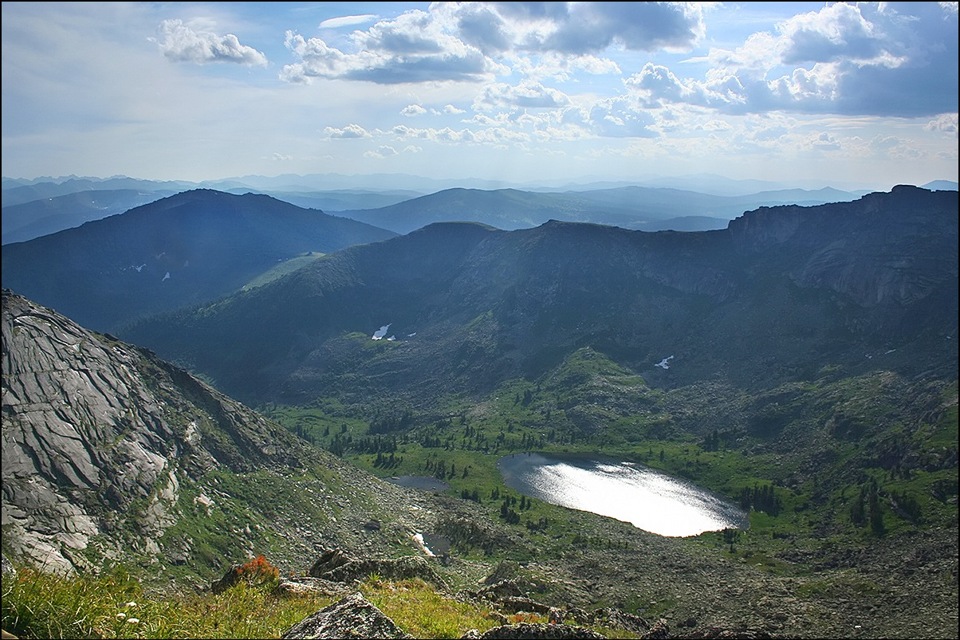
[659,631]
[337,565]
[540,631]
[99,435]
[896,247]
[352,617]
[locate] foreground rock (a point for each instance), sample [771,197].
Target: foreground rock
[352,617]
[537,631]
[337,565]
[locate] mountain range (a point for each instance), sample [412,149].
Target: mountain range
[777,296]
[33,208]
[643,208]
[803,353]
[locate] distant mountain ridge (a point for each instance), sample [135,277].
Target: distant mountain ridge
[184,249]
[32,208]
[29,220]
[632,207]
[782,291]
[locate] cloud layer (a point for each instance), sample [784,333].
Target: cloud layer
[542,87]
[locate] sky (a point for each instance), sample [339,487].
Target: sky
[832,94]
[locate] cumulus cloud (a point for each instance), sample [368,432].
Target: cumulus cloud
[887,59]
[414,47]
[946,122]
[836,32]
[445,134]
[473,41]
[182,43]
[383,151]
[824,142]
[412,110]
[531,95]
[349,131]
[621,117]
[883,59]
[588,27]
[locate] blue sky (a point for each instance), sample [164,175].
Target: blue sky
[837,94]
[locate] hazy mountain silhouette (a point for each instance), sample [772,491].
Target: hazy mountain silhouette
[185,249]
[29,220]
[631,207]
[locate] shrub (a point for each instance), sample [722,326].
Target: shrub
[259,572]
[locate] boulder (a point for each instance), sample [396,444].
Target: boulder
[352,617]
[537,631]
[338,566]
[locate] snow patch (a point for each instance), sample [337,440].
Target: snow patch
[665,363]
[418,538]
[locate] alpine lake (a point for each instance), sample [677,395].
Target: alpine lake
[646,498]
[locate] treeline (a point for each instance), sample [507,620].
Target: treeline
[761,498]
[866,509]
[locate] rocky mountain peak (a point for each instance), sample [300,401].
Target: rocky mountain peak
[98,436]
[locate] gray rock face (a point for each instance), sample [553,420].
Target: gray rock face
[97,437]
[883,248]
[352,617]
[338,566]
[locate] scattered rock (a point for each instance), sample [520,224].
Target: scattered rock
[330,560]
[537,631]
[659,631]
[513,604]
[619,619]
[499,591]
[7,568]
[308,586]
[729,634]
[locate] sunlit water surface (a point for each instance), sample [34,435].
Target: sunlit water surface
[648,499]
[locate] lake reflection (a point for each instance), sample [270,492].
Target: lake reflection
[647,499]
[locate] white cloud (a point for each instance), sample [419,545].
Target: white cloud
[622,117]
[412,110]
[526,95]
[414,47]
[347,21]
[349,131]
[946,122]
[182,43]
[473,42]
[383,151]
[836,32]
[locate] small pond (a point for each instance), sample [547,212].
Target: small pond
[426,483]
[648,499]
